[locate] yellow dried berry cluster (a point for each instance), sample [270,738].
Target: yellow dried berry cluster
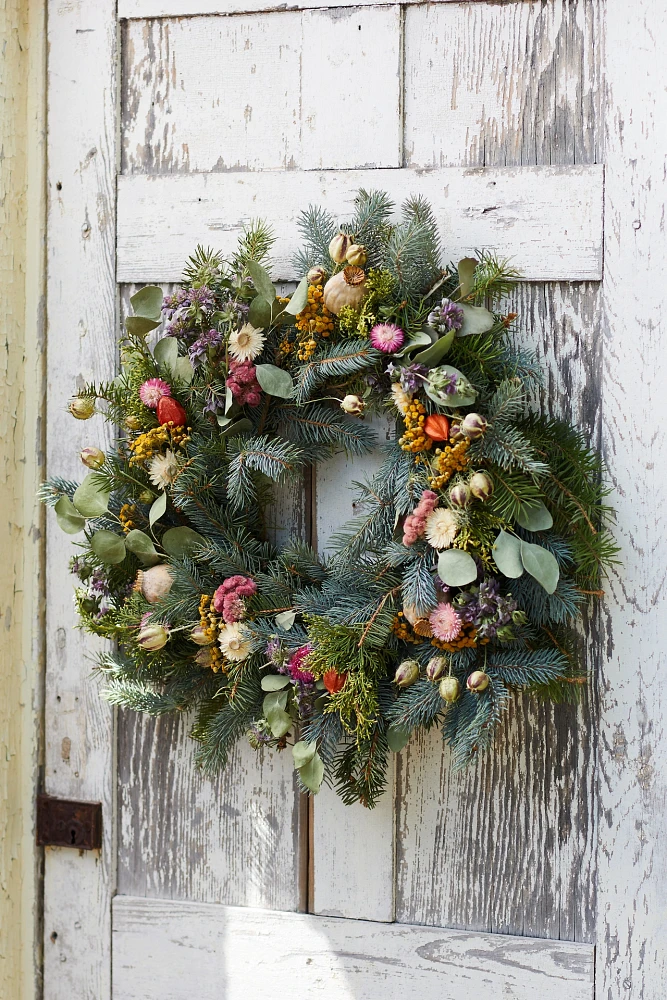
[156,440]
[210,622]
[126,516]
[448,460]
[468,637]
[415,439]
[313,323]
[403,630]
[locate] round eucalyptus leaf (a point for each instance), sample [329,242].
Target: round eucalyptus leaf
[259,314]
[275,381]
[68,516]
[285,620]
[141,545]
[466,269]
[147,302]
[279,721]
[274,682]
[108,546]
[535,518]
[299,299]
[303,752]
[158,509]
[140,325]
[476,319]
[541,564]
[422,338]
[89,498]
[507,555]
[179,542]
[434,354]
[262,281]
[456,568]
[312,774]
[165,352]
[182,370]
[397,738]
[275,699]
[234,427]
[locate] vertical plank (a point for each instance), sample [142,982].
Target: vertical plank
[81,302]
[630,956]
[351,88]
[352,847]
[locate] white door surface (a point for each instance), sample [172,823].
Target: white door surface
[533,127]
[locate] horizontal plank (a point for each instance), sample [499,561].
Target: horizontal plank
[548,220]
[181,950]
[189,8]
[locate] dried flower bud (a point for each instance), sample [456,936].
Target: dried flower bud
[436,667]
[455,432]
[519,617]
[133,423]
[478,681]
[339,246]
[356,255]
[82,407]
[352,404]
[153,637]
[473,426]
[505,633]
[459,495]
[92,458]
[146,496]
[449,689]
[316,275]
[199,636]
[406,674]
[481,485]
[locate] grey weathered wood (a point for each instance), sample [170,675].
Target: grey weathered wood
[81,304]
[180,8]
[182,950]
[631,958]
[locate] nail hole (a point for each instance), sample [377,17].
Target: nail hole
[54,936]
[59,186]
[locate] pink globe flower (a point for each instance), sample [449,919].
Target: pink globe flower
[152,391]
[445,623]
[386,337]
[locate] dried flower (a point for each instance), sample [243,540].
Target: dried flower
[242,383]
[163,469]
[450,689]
[473,426]
[82,407]
[153,637]
[234,641]
[441,528]
[478,681]
[401,399]
[92,458]
[481,485]
[152,391]
[445,317]
[445,622]
[406,674]
[228,598]
[386,337]
[352,404]
[415,523]
[206,342]
[295,665]
[246,344]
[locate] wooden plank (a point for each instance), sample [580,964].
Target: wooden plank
[180,950]
[497,85]
[352,847]
[190,8]
[547,219]
[81,306]
[351,88]
[631,958]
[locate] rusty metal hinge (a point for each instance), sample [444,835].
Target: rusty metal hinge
[64,823]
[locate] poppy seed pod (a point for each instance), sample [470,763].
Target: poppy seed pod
[92,458]
[478,681]
[352,404]
[481,485]
[406,674]
[436,667]
[356,255]
[153,637]
[155,582]
[473,426]
[82,407]
[449,689]
[339,246]
[459,495]
[316,275]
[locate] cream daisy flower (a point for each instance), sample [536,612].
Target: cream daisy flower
[246,344]
[163,469]
[234,642]
[441,528]
[401,399]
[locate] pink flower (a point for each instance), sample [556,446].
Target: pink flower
[228,598]
[152,391]
[296,662]
[386,337]
[415,523]
[445,623]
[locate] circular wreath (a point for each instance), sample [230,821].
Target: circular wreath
[479,541]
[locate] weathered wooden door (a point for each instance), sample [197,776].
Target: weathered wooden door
[170,123]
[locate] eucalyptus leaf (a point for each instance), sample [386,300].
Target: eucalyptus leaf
[108,546]
[434,354]
[68,517]
[285,620]
[535,518]
[312,774]
[303,752]
[275,699]
[274,682]
[275,381]
[450,400]
[165,352]
[182,541]
[541,564]
[422,338]
[397,738]
[466,269]
[299,299]
[507,555]
[456,568]
[279,722]
[229,400]
[147,302]
[234,427]
[476,319]
[141,545]
[183,370]
[260,313]
[89,498]
[158,509]
[140,325]
[261,281]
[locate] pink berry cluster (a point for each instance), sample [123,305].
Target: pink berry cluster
[296,662]
[228,598]
[242,382]
[415,523]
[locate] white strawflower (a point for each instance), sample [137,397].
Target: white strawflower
[246,344]
[234,642]
[401,398]
[163,469]
[441,528]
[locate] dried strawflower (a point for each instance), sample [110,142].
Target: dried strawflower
[386,337]
[441,528]
[234,641]
[246,344]
[152,391]
[445,622]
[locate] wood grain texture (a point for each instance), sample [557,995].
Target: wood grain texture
[244,93]
[164,949]
[547,219]
[81,306]
[630,956]
[189,8]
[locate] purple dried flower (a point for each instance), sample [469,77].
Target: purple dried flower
[202,298]
[445,317]
[412,377]
[207,341]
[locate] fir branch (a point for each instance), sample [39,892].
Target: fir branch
[335,361]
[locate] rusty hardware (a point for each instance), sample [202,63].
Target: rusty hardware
[63,823]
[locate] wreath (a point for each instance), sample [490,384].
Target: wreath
[477,545]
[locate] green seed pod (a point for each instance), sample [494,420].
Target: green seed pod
[406,674]
[82,407]
[450,689]
[436,667]
[481,485]
[478,681]
[153,637]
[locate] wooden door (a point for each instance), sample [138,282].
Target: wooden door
[170,123]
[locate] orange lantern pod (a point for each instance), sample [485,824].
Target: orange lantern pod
[170,411]
[437,427]
[333,681]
